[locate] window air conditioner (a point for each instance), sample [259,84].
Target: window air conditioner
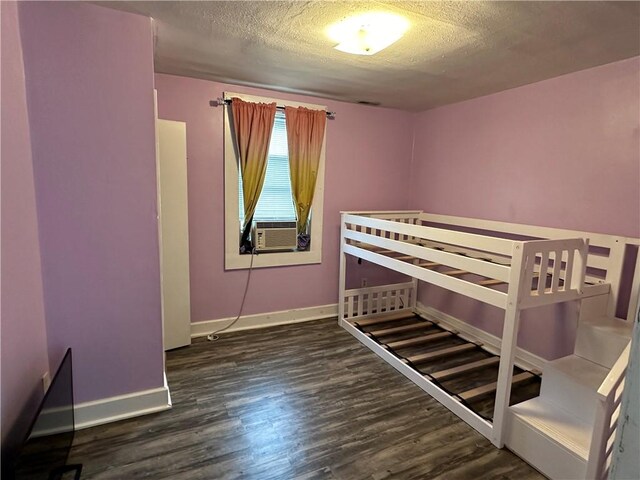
[275,236]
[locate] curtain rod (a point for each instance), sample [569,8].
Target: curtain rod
[218,102]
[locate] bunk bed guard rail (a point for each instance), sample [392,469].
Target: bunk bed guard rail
[555,269]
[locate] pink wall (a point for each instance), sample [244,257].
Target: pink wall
[368,155]
[24,344]
[563,153]
[560,153]
[89,76]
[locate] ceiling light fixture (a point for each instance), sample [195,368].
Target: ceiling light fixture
[368,33]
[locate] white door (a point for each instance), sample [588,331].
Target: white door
[174,232]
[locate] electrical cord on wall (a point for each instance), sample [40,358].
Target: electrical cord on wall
[212,337]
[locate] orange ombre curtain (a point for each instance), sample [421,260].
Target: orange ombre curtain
[252,124]
[305,135]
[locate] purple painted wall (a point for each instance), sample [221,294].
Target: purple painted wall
[368,157]
[89,76]
[24,343]
[562,153]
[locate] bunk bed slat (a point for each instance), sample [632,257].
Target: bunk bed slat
[410,342]
[402,329]
[478,392]
[455,273]
[466,368]
[373,302]
[444,352]
[489,282]
[568,272]
[542,276]
[428,264]
[557,264]
[389,317]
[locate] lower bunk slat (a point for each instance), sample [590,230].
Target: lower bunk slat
[456,375]
[412,342]
[444,352]
[478,392]
[480,424]
[443,375]
[389,317]
[405,328]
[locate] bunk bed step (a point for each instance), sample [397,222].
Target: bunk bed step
[554,441]
[478,392]
[419,340]
[466,368]
[405,328]
[572,383]
[444,352]
[389,317]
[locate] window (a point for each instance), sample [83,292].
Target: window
[276,202]
[276,199]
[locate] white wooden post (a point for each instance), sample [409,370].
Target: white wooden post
[596,459]
[414,289]
[579,266]
[614,273]
[634,300]
[343,270]
[518,278]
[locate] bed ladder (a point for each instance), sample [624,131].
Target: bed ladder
[568,431]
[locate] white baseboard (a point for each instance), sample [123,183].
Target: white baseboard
[121,407]
[491,343]
[263,320]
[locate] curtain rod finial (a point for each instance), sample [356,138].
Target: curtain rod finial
[218,102]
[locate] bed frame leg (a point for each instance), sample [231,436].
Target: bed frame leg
[343,270]
[509,343]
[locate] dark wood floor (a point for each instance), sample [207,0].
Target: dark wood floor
[304,401]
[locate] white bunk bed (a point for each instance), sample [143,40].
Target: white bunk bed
[512,267]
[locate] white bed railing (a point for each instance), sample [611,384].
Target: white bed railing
[555,270]
[605,260]
[379,299]
[606,421]
[537,272]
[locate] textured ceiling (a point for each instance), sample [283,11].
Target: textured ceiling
[453,50]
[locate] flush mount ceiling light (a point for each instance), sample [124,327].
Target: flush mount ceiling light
[368,33]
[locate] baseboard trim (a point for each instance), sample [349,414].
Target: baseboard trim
[263,320]
[121,407]
[524,359]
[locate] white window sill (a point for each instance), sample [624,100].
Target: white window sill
[262,260]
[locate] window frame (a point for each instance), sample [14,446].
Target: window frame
[233,260]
